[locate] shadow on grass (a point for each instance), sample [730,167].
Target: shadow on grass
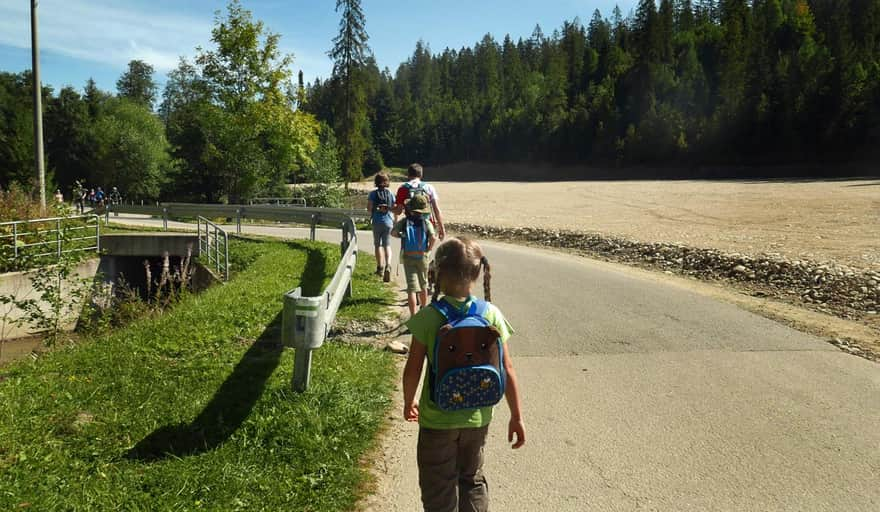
[230,406]
[315,271]
[236,397]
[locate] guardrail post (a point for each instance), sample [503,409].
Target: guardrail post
[238,220]
[303,327]
[344,243]
[314,226]
[165,218]
[15,240]
[97,235]
[302,369]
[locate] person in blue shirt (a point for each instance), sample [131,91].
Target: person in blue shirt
[379,204]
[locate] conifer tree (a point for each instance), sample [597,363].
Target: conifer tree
[349,54]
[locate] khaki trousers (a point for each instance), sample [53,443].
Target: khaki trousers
[451,470]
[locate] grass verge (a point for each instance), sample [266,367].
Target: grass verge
[193,409]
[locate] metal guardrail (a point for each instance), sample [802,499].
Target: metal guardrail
[306,321]
[59,238]
[295,201]
[214,244]
[238,212]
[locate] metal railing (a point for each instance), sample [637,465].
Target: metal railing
[53,236]
[238,212]
[306,321]
[295,201]
[214,246]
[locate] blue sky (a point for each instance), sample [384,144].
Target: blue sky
[96,38]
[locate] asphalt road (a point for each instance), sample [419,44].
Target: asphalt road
[642,395]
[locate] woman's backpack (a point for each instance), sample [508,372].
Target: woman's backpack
[467,370]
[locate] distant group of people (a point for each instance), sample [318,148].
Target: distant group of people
[93,197]
[461,338]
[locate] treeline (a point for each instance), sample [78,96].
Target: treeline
[735,81]
[226,127]
[93,136]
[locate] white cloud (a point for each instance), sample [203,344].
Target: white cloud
[102,31]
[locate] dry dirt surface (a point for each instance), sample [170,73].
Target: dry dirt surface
[818,220]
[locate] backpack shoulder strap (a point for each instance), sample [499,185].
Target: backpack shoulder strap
[478,307]
[446,309]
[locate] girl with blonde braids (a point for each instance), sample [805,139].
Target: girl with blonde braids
[450,446]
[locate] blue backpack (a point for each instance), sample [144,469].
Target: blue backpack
[467,370]
[415,243]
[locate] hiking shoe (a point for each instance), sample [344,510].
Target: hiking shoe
[387,276]
[378,271]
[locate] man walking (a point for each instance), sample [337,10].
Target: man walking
[415,187]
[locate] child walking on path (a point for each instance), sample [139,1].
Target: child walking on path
[379,204]
[450,445]
[418,239]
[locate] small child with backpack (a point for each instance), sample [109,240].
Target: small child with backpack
[418,238]
[464,340]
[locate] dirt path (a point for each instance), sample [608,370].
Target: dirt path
[817,220]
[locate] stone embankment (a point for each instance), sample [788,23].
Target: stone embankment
[847,292]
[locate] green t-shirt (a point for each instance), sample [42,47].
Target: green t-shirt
[424,326]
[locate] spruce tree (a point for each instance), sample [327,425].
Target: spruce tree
[349,54]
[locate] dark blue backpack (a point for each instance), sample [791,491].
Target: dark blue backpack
[467,370]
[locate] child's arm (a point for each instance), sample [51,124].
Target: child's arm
[511,392]
[431,242]
[412,373]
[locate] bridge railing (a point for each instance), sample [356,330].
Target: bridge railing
[52,236]
[214,245]
[306,320]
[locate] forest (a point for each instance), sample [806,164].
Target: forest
[729,82]
[674,83]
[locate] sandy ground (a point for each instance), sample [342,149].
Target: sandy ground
[818,220]
[837,221]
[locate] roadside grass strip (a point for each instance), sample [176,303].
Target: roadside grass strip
[193,409]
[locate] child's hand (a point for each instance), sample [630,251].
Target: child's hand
[411,411]
[516,427]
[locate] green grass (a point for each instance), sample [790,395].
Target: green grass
[194,409]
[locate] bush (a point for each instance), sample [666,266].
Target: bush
[326,195]
[373,161]
[17,204]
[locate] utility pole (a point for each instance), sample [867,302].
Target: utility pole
[38,107]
